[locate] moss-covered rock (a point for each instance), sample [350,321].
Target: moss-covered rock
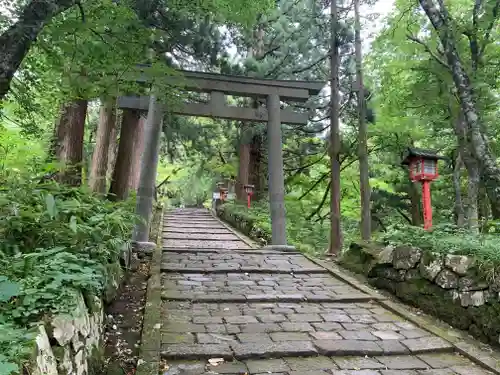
[430,265]
[115,277]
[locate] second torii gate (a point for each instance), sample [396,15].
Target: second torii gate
[218,85]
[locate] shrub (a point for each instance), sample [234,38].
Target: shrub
[54,241]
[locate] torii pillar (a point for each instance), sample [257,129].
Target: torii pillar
[276,175]
[147,179]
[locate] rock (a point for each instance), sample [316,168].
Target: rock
[454,295]
[64,359]
[386,256]
[144,247]
[447,279]
[392,274]
[430,265]
[81,365]
[471,283]
[126,255]
[459,264]
[472,298]
[46,363]
[406,257]
[81,318]
[64,329]
[186,368]
[413,274]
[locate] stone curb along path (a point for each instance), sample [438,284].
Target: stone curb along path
[218,305]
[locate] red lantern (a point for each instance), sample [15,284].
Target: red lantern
[423,168]
[249,191]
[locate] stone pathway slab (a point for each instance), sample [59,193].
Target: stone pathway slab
[264,312]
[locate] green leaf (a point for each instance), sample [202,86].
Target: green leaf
[50,204]
[8,289]
[72,224]
[8,368]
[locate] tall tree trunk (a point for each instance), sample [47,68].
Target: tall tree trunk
[257,147]
[243,163]
[484,208]
[336,229]
[257,166]
[415,209]
[107,121]
[119,188]
[69,145]
[113,146]
[488,168]
[137,150]
[364,177]
[473,174]
[459,206]
[16,41]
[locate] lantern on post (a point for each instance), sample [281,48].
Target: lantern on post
[249,191]
[423,166]
[222,191]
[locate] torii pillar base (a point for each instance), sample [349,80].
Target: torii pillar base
[283,248]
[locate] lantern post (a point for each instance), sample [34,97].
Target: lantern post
[222,191]
[423,168]
[249,191]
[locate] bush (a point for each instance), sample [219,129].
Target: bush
[449,239]
[54,241]
[306,235]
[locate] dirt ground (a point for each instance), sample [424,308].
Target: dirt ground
[124,318]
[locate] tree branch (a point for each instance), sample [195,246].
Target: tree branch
[322,203]
[323,176]
[487,35]
[429,50]
[82,12]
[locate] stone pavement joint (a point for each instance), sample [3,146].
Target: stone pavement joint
[274,313]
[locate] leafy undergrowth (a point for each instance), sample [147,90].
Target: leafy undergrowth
[448,239]
[54,242]
[306,235]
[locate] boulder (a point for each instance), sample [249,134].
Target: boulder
[472,298]
[46,363]
[385,256]
[447,279]
[471,283]
[430,265]
[412,274]
[63,329]
[406,257]
[391,274]
[459,264]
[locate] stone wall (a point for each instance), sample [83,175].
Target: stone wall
[245,224]
[451,287]
[72,343]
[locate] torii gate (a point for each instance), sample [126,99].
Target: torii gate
[218,85]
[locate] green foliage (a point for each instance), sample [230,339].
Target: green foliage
[54,241]
[448,239]
[15,346]
[308,236]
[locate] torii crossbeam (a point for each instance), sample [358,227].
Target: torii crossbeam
[218,86]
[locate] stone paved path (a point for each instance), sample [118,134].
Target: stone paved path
[268,312]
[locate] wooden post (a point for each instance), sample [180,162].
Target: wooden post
[426,203]
[276,178]
[149,166]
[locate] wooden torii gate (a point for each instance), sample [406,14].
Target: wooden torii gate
[218,86]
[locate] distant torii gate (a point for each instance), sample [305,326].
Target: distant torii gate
[218,85]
